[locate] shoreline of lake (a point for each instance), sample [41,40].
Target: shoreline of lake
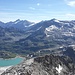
[2,69]
[17,56]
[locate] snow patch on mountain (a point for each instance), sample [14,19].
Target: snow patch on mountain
[50,28]
[30,25]
[68,34]
[56,20]
[59,69]
[39,28]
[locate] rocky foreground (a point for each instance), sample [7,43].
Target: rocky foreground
[2,69]
[45,65]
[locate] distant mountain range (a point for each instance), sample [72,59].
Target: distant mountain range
[19,24]
[55,37]
[45,37]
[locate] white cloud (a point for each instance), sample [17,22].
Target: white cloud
[38,4]
[31,8]
[12,16]
[70,3]
[70,15]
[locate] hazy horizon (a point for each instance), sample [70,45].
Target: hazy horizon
[36,10]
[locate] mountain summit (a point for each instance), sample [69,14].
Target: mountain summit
[19,24]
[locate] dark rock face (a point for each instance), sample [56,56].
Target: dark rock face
[45,65]
[50,61]
[70,52]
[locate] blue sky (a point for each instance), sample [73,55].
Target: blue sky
[36,10]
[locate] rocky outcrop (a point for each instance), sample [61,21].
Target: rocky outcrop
[45,65]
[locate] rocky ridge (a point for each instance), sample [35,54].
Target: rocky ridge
[44,65]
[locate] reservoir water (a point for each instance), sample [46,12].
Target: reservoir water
[10,62]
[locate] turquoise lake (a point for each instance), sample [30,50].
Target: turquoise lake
[10,62]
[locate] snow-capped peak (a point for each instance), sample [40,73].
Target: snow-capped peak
[55,20]
[18,20]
